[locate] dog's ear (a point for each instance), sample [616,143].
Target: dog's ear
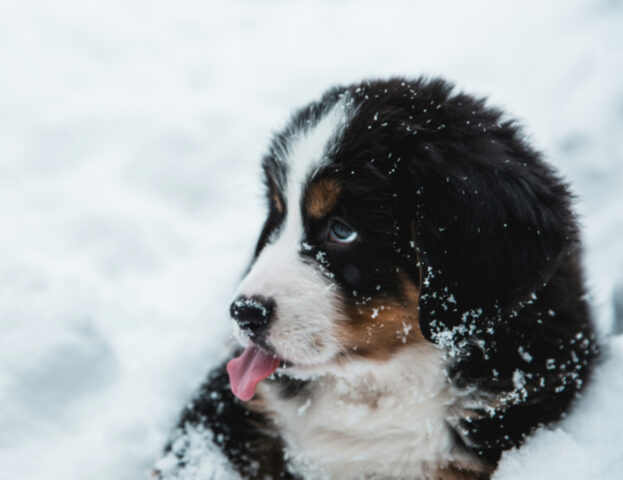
[489,223]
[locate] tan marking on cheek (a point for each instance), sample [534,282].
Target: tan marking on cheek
[322,196]
[376,330]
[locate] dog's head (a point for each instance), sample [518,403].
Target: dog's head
[396,209]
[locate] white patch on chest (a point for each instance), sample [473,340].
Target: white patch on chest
[376,421]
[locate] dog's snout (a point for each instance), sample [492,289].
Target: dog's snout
[252,314]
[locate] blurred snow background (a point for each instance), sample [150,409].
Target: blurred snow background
[130,138]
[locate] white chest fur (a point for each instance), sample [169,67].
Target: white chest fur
[377,421]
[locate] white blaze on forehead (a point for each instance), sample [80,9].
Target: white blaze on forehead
[305,153]
[305,309]
[307,149]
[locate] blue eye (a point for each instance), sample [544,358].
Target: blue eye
[342,233]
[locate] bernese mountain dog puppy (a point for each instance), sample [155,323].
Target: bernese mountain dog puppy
[415,305]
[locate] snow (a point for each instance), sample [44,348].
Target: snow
[202,459]
[130,139]
[588,443]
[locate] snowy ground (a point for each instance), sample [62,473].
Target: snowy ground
[130,135]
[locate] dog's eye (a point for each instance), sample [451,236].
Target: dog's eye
[339,232]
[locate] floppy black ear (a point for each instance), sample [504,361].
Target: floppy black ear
[490,220]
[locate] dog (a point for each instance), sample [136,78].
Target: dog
[415,305]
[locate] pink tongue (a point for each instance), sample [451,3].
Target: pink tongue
[249,369]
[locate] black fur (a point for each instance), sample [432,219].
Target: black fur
[498,246]
[453,195]
[245,437]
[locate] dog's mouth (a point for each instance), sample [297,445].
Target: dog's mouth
[256,363]
[250,368]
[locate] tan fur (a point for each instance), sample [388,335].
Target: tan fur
[274,194]
[384,324]
[322,196]
[461,472]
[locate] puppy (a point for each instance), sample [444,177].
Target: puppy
[415,305]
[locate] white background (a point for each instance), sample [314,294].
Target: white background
[130,139]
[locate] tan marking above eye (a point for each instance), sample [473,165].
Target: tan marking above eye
[322,196]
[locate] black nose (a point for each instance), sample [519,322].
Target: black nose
[252,314]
